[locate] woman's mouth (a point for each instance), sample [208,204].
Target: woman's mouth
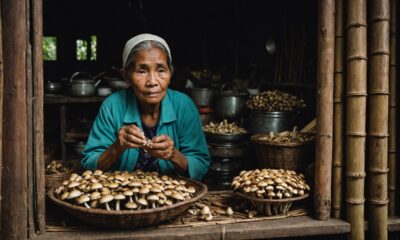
[152,94]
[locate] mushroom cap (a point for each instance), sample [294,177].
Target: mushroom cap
[95,195]
[177,196]
[73,184]
[135,190]
[142,201]
[168,192]
[113,185]
[168,202]
[74,194]
[96,186]
[106,198]
[205,210]
[98,172]
[119,196]
[155,189]
[144,190]
[73,176]
[83,198]
[153,198]
[229,211]
[131,205]
[128,193]
[64,195]
[262,184]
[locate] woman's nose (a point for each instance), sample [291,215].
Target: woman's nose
[151,80]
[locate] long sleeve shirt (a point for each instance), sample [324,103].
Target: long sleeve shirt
[179,119]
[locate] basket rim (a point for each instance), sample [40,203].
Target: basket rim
[271,143]
[60,174]
[64,204]
[226,134]
[306,195]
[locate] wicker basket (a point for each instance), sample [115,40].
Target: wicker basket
[56,179]
[271,207]
[290,156]
[130,219]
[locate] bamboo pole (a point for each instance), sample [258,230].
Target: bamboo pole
[38,120]
[14,176]
[356,115]
[338,125]
[392,153]
[378,106]
[325,72]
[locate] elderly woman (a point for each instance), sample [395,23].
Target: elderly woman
[148,126]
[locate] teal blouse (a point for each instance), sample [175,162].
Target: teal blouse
[179,119]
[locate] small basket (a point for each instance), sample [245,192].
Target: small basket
[52,180]
[271,207]
[289,156]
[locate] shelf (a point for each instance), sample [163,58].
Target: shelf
[64,99]
[72,136]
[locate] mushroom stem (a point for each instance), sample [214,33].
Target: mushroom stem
[108,207]
[117,205]
[86,205]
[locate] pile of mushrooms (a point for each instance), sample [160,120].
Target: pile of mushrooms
[270,183]
[123,190]
[285,137]
[223,127]
[275,101]
[55,167]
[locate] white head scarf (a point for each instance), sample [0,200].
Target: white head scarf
[131,43]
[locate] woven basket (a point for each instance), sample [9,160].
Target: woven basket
[271,207]
[130,219]
[289,156]
[52,180]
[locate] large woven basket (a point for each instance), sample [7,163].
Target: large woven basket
[290,156]
[271,207]
[130,219]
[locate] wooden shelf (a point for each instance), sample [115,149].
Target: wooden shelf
[64,99]
[394,224]
[264,229]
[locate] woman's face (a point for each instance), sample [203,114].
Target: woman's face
[150,75]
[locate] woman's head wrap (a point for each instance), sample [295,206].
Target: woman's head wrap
[131,43]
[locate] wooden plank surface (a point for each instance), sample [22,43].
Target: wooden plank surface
[14,176]
[264,229]
[38,121]
[394,224]
[57,99]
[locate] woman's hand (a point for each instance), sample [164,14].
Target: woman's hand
[161,147]
[130,136]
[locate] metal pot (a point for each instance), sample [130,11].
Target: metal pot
[202,97]
[53,87]
[264,122]
[230,104]
[83,87]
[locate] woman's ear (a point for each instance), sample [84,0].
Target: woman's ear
[123,74]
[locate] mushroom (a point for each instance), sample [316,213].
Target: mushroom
[96,186]
[106,199]
[177,196]
[95,196]
[142,202]
[131,205]
[129,193]
[74,194]
[143,191]
[118,197]
[83,199]
[229,211]
[153,199]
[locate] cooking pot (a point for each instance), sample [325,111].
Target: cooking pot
[202,97]
[53,87]
[84,86]
[230,104]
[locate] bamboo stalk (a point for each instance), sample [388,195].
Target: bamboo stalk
[356,115]
[378,106]
[392,153]
[325,72]
[338,125]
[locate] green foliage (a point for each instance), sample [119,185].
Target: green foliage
[49,48]
[81,49]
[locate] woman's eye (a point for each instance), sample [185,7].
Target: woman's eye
[141,71]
